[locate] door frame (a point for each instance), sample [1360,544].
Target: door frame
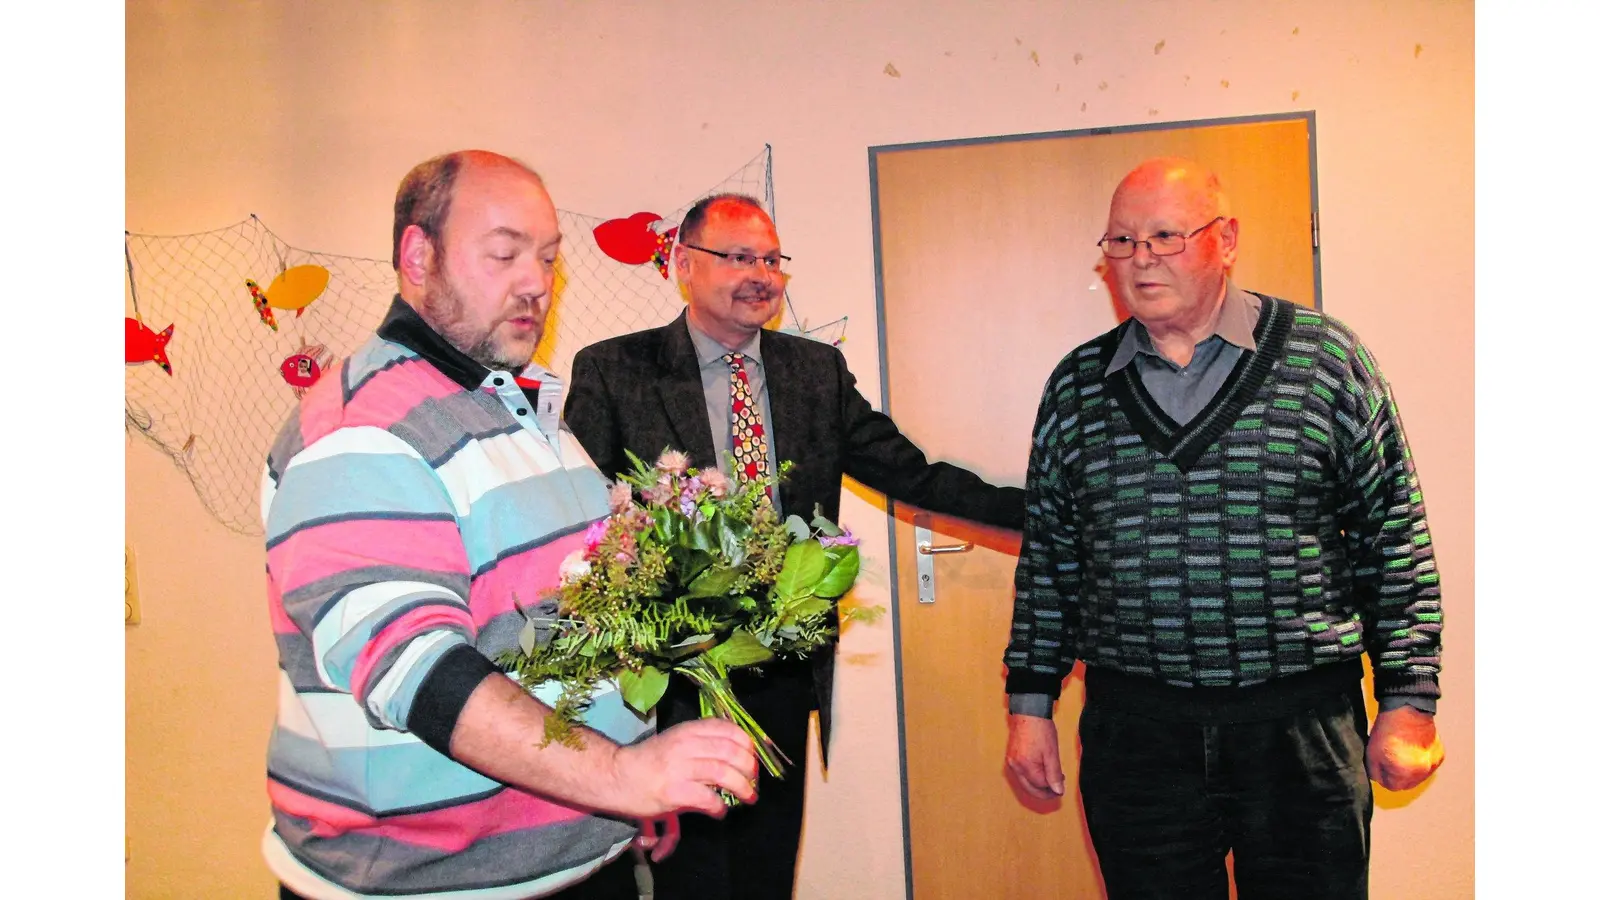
[1310,118]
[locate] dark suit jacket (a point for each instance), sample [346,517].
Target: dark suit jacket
[642,392]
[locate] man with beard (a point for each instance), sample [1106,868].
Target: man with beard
[420,488]
[714,384]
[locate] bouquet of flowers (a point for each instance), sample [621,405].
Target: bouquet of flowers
[691,573]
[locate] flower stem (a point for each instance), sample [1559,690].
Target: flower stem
[717,699]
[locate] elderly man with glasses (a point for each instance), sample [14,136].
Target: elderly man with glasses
[718,386]
[1222,518]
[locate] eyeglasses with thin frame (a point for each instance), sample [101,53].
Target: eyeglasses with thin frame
[774,263]
[1162,243]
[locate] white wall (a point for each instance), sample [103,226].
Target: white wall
[308,114]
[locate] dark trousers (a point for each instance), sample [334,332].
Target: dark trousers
[614,881]
[1166,802]
[750,853]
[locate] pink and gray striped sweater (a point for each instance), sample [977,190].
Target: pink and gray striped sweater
[410,502]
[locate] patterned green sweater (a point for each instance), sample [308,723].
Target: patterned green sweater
[1280,531]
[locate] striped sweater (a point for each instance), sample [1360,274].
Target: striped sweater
[410,501]
[1279,533]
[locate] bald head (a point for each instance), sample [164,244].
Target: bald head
[1181,181]
[424,196]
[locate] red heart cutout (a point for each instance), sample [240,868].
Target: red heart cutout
[628,240]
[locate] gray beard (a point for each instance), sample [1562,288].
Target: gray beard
[443,309]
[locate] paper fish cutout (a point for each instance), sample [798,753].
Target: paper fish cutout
[296,287]
[144,345]
[664,250]
[302,369]
[260,300]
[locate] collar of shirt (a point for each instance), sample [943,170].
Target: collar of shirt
[403,325]
[1236,324]
[406,327]
[709,350]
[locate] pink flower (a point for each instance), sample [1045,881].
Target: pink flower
[673,462]
[593,535]
[665,492]
[715,482]
[635,521]
[621,497]
[844,540]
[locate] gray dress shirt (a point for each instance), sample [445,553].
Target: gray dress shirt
[716,380]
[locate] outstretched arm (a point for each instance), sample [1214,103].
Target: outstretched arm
[879,456]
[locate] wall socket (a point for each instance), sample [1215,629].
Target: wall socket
[131,593]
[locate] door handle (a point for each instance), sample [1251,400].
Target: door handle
[926,551]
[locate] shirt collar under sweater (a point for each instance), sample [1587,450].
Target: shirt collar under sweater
[1235,324]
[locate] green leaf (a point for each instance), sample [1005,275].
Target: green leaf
[821,524]
[668,525]
[691,563]
[797,527]
[803,566]
[842,575]
[529,638]
[642,690]
[642,477]
[703,536]
[740,649]
[809,607]
[731,535]
[713,581]
[639,466]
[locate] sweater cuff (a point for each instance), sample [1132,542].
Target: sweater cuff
[444,692]
[1424,704]
[1021,681]
[1405,686]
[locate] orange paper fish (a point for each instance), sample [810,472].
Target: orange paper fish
[296,287]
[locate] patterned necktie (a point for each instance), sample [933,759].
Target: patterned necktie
[749,435]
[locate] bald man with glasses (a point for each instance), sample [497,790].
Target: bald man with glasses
[1223,517]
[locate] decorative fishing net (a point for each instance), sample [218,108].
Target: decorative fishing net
[233,378]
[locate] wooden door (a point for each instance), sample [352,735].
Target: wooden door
[989,274]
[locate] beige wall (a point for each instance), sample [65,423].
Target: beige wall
[308,113]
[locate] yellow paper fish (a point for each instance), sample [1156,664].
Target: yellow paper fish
[296,287]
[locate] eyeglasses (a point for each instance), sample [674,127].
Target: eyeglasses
[774,263]
[1162,243]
